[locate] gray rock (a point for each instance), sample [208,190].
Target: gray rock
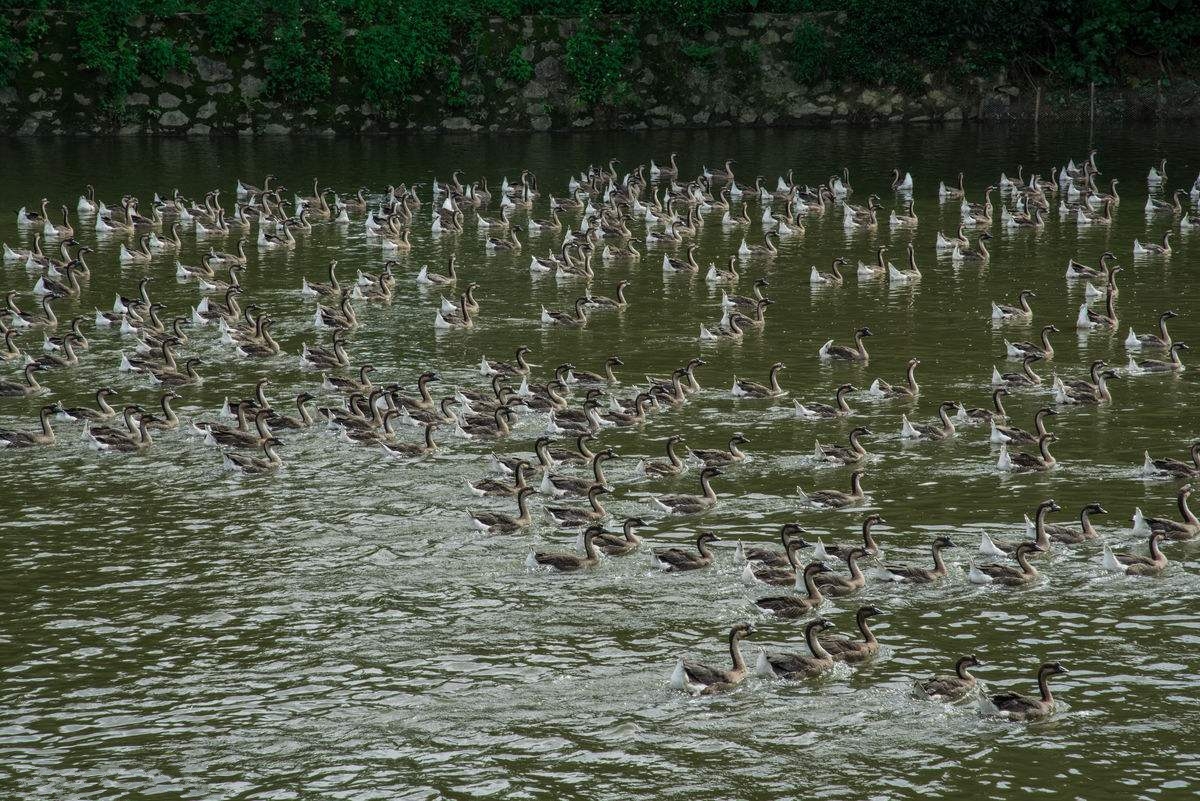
[82,99]
[456,124]
[341,110]
[8,95]
[769,38]
[173,119]
[220,89]
[954,114]
[137,99]
[251,87]
[199,129]
[133,129]
[56,57]
[211,71]
[167,100]
[547,69]
[275,129]
[540,123]
[180,79]
[28,128]
[37,96]
[535,90]
[207,110]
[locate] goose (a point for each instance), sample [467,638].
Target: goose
[511,244]
[727,276]
[1133,564]
[794,606]
[1008,575]
[216,434]
[406,450]
[495,426]
[1076,270]
[27,218]
[623,543]
[769,556]
[1074,535]
[960,241]
[1175,365]
[1021,311]
[20,319]
[1087,395]
[1026,378]
[793,666]
[500,523]
[835,584]
[1157,175]
[11,352]
[676,560]
[1172,206]
[1025,462]
[519,367]
[608,377]
[269,462]
[320,358]
[103,410]
[572,516]
[559,486]
[1039,530]
[731,330]
[948,689]
[819,411]
[1021,349]
[1030,220]
[319,289]
[766,249]
[223,258]
[664,171]
[143,254]
[830,351]
[956,193]
[979,213]
[776,575]
[30,385]
[568,562]
[27,439]
[671,466]
[832,278]
[31,258]
[65,231]
[851,454]
[361,384]
[68,287]
[1003,434]
[744,388]
[877,270]
[137,442]
[557,318]
[923,575]
[604,302]
[1017,707]
[626,251]
[910,273]
[743,301]
[52,360]
[697,678]
[901,183]
[427,278]
[907,217]
[910,389]
[304,419]
[976,415]
[1173,530]
[980,252]
[869,547]
[1161,340]
[495,488]
[75,329]
[1154,248]
[503,220]
[188,377]
[460,319]
[1091,385]
[691,504]
[844,649]
[686,265]
[720,457]
[1174,466]
[931,432]
[835,499]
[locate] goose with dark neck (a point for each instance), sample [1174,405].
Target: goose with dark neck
[1017,707]
[1188,527]
[794,606]
[698,678]
[924,575]
[799,666]
[948,689]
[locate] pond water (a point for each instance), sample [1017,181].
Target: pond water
[338,630]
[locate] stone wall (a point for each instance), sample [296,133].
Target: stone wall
[739,75]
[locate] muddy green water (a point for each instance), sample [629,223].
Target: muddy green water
[337,630]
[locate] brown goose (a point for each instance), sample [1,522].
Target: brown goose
[835,499]
[568,562]
[770,556]
[799,666]
[1017,707]
[676,560]
[1175,467]
[844,649]
[691,504]
[824,410]
[923,575]
[793,606]
[500,523]
[1135,564]
[1174,530]
[719,457]
[701,679]
[949,689]
[671,466]
[852,454]
[1008,575]
[858,353]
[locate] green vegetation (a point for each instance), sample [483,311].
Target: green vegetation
[392,49]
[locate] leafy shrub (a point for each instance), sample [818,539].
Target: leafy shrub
[160,55]
[809,52]
[597,62]
[519,69]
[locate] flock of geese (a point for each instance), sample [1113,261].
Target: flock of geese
[592,221]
